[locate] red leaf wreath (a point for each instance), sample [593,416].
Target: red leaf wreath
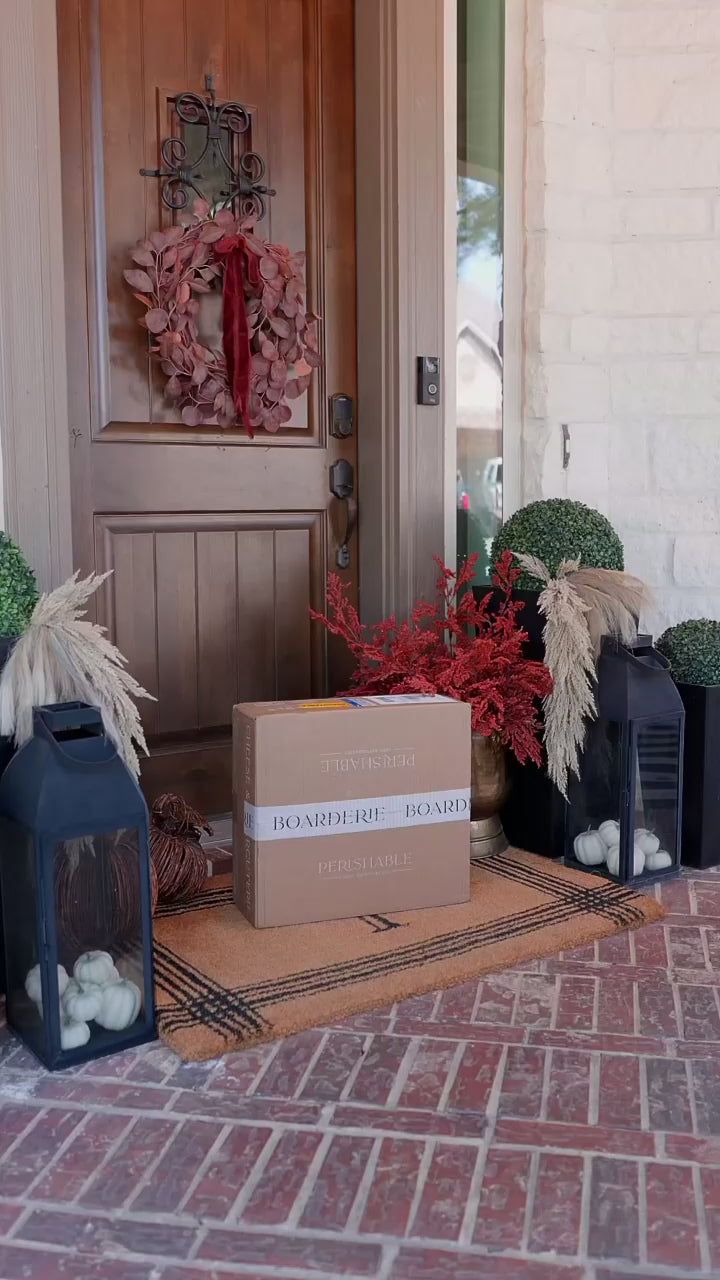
[454,646]
[270,342]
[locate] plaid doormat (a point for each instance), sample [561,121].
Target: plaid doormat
[223,985]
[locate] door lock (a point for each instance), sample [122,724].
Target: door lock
[342,479]
[341,416]
[342,486]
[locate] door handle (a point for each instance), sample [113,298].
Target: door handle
[342,555]
[342,487]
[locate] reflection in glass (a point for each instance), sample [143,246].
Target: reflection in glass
[630,779]
[657,769]
[98,897]
[18,906]
[479,277]
[98,914]
[212,178]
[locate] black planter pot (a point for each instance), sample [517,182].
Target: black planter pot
[7,752]
[701,775]
[7,749]
[530,619]
[534,816]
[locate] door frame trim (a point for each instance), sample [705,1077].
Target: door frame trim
[402,207]
[514,221]
[402,211]
[34,433]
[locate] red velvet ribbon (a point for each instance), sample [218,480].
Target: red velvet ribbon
[241,266]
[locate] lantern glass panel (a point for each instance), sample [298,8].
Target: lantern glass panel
[20,925]
[596,796]
[98,908]
[658,745]
[623,817]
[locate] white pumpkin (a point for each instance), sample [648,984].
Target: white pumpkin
[647,841]
[120,1005]
[639,860]
[613,860]
[72,1033]
[33,983]
[82,1003]
[590,848]
[610,832]
[658,860]
[95,966]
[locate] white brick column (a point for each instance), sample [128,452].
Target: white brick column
[568,260]
[623,280]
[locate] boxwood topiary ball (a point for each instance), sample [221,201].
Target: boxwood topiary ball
[558,529]
[18,589]
[693,650]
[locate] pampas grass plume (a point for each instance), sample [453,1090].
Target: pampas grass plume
[62,657]
[580,606]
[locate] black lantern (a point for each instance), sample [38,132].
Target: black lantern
[75,881]
[624,814]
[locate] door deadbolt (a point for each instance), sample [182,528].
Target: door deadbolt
[342,416]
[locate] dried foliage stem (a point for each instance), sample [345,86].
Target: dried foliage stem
[570,660]
[580,606]
[62,657]
[615,601]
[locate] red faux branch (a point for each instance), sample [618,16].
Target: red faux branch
[270,342]
[454,646]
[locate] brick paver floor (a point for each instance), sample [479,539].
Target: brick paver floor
[561,1120]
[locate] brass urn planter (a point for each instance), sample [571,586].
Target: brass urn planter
[489,788]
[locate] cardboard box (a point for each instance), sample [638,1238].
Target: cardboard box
[350,807]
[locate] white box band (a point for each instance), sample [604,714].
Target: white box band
[381,813]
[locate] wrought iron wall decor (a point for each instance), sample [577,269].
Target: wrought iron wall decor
[244,180]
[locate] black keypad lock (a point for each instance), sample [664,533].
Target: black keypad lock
[342,416]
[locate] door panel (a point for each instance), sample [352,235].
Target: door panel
[256,614]
[132,557]
[216,559]
[137,114]
[212,609]
[219,544]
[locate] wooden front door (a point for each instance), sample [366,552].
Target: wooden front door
[218,544]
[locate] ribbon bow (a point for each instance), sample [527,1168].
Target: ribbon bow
[241,265]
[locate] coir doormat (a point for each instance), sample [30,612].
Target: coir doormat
[222,985]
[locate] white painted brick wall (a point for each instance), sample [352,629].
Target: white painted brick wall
[623,280]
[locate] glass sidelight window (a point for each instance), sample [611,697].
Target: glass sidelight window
[479,353]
